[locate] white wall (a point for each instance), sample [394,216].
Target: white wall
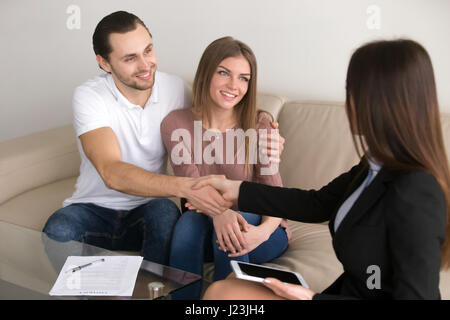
[302,46]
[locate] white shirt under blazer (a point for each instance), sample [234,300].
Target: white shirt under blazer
[98,103]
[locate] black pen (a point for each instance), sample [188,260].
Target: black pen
[85,265]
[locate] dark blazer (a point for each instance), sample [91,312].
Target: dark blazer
[396,225]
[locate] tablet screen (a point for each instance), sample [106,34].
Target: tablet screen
[261,272]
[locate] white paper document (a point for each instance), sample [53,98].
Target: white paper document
[108,276]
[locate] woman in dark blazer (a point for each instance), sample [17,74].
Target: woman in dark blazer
[388,214]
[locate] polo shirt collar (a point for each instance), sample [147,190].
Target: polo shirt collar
[154,97]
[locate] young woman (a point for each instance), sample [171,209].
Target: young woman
[224,107]
[388,213]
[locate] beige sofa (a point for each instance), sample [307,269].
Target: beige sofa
[38,171]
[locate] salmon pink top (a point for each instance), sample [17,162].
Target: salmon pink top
[182,132]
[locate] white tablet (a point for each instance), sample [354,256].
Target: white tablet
[255,272]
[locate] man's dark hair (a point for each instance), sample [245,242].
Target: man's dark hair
[116,22]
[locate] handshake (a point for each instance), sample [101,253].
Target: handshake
[212,195]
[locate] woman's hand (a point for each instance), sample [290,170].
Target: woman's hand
[228,230]
[256,235]
[288,290]
[253,237]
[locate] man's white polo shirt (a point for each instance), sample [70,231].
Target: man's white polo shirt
[98,103]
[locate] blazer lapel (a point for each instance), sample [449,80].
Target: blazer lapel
[355,184]
[364,203]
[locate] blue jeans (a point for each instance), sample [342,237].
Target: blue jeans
[194,242]
[147,228]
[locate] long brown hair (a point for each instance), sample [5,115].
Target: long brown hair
[214,54]
[392,105]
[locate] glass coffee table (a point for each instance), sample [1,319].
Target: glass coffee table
[30,263]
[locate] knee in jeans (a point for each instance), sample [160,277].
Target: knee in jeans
[161,216]
[191,227]
[59,227]
[193,220]
[163,208]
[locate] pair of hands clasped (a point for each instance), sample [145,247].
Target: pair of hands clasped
[233,232]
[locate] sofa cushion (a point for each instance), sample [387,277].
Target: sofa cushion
[310,253]
[37,159]
[318,146]
[32,208]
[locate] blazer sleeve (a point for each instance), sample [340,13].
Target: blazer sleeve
[310,206]
[416,220]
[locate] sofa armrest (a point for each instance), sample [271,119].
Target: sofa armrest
[37,159]
[271,103]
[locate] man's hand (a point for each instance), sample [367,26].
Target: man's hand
[204,198]
[229,190]
[272,144]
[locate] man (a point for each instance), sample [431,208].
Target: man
[119,202]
